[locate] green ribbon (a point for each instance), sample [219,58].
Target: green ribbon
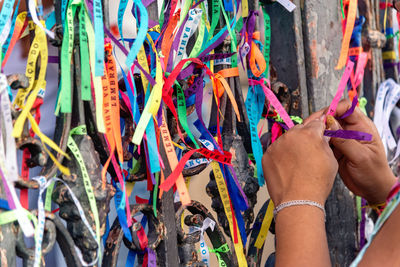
[180,98]
[81,130]
[267,41]
[296,119]
[155,193]
[64,103]
[342,8]
[232,35]
[215,11]
[239,24]
[222,249]
[49,192]
[363,102]
[12,215]
[161,20]
[358,206]
[85,64]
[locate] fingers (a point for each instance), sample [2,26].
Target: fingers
[315,116]
[317,126]
[343,106]
[348,147]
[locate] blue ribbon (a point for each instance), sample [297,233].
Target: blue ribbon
[121,12]
[7,42]
[99,37]
[144,24]
[119,200]
[237,201]
[254,105]
[105,236]
[5,13]
[64,4]
[228,5]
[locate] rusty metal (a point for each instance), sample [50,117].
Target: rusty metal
[235,144]
[17,81]
[49,239]
[61,196]
[116,236]
[188,254]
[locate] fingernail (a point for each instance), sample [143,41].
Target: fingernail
[331,123]
[322,118]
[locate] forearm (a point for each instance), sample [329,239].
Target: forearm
[381,190]
[385,247]
[301,237]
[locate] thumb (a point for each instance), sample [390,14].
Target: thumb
[317,125]
[348,147]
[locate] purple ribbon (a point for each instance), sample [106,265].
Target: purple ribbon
[151,258]
[351,110]
[344,134]
[238,185]
[387,65]
[123,49]
[189,69]
[347,134]
[53,59]
[146,3]
[216,56]
[362,223]
[7,190]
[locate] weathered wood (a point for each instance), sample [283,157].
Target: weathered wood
[322,33]
[373,74]
[341,225]
[287,53]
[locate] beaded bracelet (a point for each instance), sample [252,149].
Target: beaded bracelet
[298,203]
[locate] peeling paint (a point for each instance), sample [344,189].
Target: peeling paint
[314,59]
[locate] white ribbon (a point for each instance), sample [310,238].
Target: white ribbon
[188,30]
[41,220]
[8,158]
[287,4]
[387,97]
[205,254]
[32,10]
[6,32]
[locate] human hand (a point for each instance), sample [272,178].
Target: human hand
[300,165]
[362,165]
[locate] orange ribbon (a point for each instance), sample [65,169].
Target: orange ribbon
[351,18]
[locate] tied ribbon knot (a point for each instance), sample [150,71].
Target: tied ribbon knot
[207,223]
[218,251]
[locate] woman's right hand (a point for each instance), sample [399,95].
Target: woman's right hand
[362,165]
